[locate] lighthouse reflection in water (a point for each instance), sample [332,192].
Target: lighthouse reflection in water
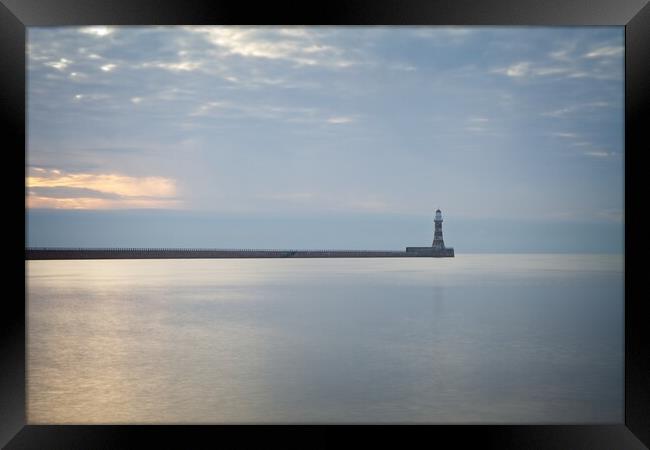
[470,339]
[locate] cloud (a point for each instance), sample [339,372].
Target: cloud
[564,135]
[515,70]
[38,202]
[476,129]
[54,188]
[300,46]
[268,111]
[563,54]
[294,32]
[108,67]
[599,154]
[446,35]
[70,192]
[99,31]
[573,108]
[90,97]
[605,52]
[528,69]
[78,75]
[340,120]
[565,63]
[60,65]
[542,71]
[179,66]
[207,108]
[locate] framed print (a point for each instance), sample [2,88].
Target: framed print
[353,213]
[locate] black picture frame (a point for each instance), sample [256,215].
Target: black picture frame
[16,15]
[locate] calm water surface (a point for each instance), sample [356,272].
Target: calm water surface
[471,339]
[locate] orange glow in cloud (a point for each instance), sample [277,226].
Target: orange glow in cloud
[123,191]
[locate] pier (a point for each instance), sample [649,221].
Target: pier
[436,250]
[180,253]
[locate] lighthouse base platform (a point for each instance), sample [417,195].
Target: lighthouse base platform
[447,252]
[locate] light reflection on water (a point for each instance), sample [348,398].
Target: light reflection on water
[471,339]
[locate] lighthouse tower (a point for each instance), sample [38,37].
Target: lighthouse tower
[438,243]
[437,249]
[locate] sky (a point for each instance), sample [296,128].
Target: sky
[326,137]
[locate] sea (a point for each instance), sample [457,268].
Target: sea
[475,339]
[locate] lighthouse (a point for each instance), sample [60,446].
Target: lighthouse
[438,243]
[438,248]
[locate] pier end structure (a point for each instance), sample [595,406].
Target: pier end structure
[437,248]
